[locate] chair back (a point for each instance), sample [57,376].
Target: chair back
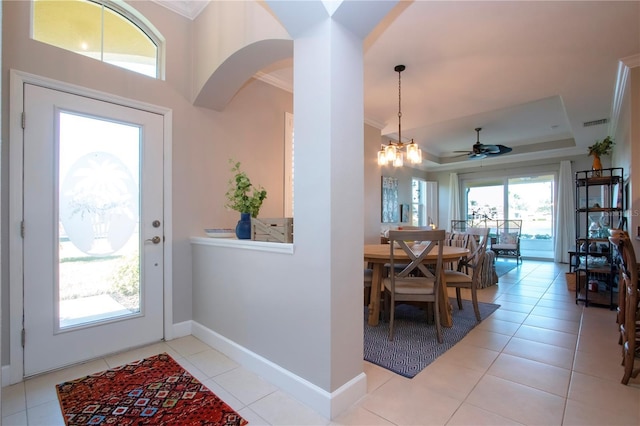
[625,259]
[416,244]
[628,301]
[627,254]
[477,245]
[456,239]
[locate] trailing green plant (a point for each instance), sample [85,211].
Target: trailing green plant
[603,147]
[242,196]
[126,277]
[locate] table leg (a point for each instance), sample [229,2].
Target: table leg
[445,306]
[374,299]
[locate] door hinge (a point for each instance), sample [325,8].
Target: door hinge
[24,120]
[22,229]
[23,337]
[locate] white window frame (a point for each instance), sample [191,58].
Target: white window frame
[137,19]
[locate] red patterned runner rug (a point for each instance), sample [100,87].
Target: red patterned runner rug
[151,391]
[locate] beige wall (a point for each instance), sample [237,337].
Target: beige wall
[373,180]
[250,129]
[627,149]
[634,190]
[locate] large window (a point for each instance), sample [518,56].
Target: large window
[528,198]
[103,30]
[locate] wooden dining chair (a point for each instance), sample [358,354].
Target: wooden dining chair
[617,258]
[630,328]
[368,280]
[414,282]
[468,273]
[630,324]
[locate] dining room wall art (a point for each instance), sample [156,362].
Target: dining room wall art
[390,209]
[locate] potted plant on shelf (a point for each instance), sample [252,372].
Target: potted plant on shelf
[245,198]
[598,149]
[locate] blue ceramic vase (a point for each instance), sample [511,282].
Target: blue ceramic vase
[243,228]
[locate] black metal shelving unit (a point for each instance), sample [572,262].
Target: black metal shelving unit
[599,201]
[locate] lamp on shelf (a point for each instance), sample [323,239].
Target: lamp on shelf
[393,151]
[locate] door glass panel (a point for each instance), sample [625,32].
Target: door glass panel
[531,200]
[485,201]
[526,198]
[98,221]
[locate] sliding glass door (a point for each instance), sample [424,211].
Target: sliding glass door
[527,198]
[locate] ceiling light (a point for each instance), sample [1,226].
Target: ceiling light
[393,152]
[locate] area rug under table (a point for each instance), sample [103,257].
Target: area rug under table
[151,391]
[415,344]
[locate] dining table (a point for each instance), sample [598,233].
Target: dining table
[379,255]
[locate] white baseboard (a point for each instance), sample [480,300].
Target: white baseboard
[180,329]
[6,369]
[328,404]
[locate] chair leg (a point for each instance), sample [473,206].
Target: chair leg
[429,313]
[436,315]
[459,298]
[474,300]
[392,314]
[628,364]
[385,306]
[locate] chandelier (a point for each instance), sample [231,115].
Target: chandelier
[393,152]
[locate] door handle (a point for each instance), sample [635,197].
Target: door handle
[154,240]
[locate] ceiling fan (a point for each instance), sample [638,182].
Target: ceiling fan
[480,150]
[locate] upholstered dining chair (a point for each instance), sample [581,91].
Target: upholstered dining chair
[467,275]
[455,239]
[414,282]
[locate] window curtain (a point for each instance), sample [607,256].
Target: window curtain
[454,199]
[565,226]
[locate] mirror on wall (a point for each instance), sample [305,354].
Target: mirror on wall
[390,210]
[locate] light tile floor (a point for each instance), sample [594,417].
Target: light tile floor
[538,360]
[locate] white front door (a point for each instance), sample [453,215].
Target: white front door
[93,228]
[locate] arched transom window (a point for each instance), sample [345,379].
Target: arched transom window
[104,30]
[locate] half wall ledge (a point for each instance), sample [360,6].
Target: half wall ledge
[282,248]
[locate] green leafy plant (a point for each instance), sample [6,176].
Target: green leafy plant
[603,147]
[242,196]
[126,277]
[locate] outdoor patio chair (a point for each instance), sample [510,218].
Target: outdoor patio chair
[506,242]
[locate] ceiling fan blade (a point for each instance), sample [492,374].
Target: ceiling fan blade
[490,149]
[480,150]
[501,150]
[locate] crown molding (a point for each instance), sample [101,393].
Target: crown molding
[274,81]
[374,123]
[631,61]
[624,65]
[187,8]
